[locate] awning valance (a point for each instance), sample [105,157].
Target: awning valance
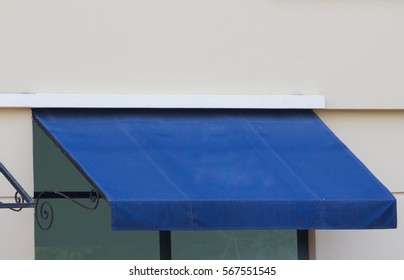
[167,169]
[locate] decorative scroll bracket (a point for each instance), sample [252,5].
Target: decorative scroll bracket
[21,197]
[44,210]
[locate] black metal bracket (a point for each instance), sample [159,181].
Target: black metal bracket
[21,197]
[44,210]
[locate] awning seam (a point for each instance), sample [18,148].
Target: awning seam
[294,174]
[159,169]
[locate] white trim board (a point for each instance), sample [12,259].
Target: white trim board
[61,100]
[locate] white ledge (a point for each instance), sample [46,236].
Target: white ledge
[47,100]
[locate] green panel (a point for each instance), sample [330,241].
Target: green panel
[82,234]
[52,170]
[79,233]
[233,245]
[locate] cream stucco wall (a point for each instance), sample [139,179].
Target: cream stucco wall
[17,228]
[350,51]
[376,138]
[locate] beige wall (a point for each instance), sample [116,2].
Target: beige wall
[377,138]
[17,228]
[350,51]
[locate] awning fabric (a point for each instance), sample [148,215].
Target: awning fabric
[166,169]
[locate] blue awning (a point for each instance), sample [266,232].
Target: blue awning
[166,169]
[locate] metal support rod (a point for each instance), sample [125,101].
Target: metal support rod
[22,198]
[70,194]
[302,244]
[165,245]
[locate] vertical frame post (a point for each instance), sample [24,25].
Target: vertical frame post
[165,245]
[302,244]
